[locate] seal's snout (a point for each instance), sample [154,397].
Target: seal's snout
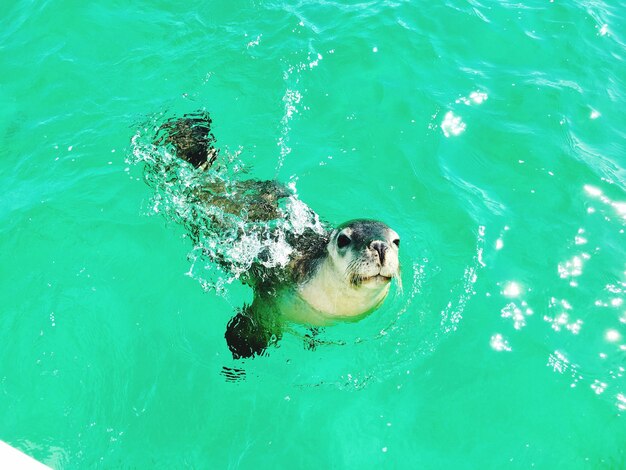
[381,248]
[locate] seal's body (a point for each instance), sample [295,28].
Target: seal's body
[333,274]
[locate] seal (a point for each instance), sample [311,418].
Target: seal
[332,274]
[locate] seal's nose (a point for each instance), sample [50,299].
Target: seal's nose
[381,248]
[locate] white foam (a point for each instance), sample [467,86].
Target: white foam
[225,245]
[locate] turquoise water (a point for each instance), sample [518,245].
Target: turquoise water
[489,135]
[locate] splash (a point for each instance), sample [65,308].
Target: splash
[225,245]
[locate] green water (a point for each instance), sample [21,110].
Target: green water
[507,344]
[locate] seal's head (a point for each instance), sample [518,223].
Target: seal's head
[355,272]
[366,251]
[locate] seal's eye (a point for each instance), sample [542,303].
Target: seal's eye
[397,242]
[343,241]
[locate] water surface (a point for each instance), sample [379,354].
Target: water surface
[490,135]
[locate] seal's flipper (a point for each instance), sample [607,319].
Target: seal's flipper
[191,138]
[247,336]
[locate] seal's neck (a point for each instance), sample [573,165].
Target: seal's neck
[330,293]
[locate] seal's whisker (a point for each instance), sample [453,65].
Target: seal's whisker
[397,276]
[352,273]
